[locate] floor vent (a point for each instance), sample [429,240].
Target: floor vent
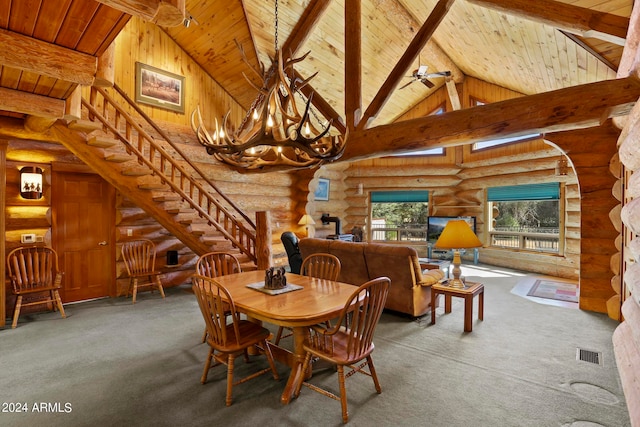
[589,356]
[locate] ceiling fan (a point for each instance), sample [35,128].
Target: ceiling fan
[421,75]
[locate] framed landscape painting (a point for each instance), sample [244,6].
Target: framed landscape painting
[159,88]
[322,191]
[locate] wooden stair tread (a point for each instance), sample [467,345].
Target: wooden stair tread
[117,158]
[102,142]
[86,126]
[151,187]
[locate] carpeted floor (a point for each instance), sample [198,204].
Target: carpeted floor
[114,364]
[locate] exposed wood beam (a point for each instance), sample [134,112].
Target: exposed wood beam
[404,64]
[303,28]
[584,45]
[29,103]
[407,22]
[29,54]
[305,25]
[573,19]
[576,107]
[452,91]
[353,63]
[165,13]
[323,106]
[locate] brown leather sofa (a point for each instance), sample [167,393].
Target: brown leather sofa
[410,291]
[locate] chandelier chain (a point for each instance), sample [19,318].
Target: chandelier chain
[275,24]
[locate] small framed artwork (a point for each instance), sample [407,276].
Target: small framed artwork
[159,88]
[322,191]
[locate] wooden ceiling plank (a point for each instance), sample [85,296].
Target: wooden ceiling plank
[50,19]
[29,54]
[402,67]
[27,103]
[103,28]
[23,16]
[570,108]
[353,63]
[576,20]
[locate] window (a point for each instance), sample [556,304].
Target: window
[500,141]
[529,217]
[399,215]
[431,151]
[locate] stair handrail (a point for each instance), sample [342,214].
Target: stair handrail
[165,157]
[166,137]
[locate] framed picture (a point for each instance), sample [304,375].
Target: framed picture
[322,191]
[159,88]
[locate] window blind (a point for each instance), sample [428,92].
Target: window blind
[399,196]
[509,193]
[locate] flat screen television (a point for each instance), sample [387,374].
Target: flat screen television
[435,225]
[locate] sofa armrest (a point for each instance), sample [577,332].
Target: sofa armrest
[431,277]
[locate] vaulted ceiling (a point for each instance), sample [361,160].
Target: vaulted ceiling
[527,46]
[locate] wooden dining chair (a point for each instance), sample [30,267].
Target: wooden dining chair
[321,266]
[139,258]
[33,271]
[228,340]
[216,264]
[348,343]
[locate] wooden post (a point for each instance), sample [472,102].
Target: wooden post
[3,201]
[263,240]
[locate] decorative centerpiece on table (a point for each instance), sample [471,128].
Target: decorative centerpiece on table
[275,278]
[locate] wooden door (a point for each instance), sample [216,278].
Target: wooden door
[83,207]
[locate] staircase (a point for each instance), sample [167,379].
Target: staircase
[155,174]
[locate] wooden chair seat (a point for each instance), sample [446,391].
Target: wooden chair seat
[228,340]
[34,270]
[350,341]
[139,258]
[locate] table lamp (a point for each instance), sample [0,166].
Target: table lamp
[457,234]
[306,220]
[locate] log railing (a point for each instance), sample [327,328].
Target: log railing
[176,171]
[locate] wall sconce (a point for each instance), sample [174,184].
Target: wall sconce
[31,182]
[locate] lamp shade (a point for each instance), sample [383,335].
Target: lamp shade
[457,234]
[306,220]
[31,182]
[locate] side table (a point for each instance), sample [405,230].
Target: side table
[468,292]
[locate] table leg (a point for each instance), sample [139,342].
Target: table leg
[434,304]
[481,305]
[447,303]
[468,313]
[296,375]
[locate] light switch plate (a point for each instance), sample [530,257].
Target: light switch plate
[28,238]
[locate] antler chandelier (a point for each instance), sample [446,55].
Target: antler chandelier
[273,134]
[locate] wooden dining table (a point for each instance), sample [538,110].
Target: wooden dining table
[316,302]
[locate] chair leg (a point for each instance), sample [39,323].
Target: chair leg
[16,311]
[230,361]
[207,365]
[135,290]
[372,370]
[343,394]
[272,364]
[305,366]
[279,335]
[204,335]
[59,303]
[159,285]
